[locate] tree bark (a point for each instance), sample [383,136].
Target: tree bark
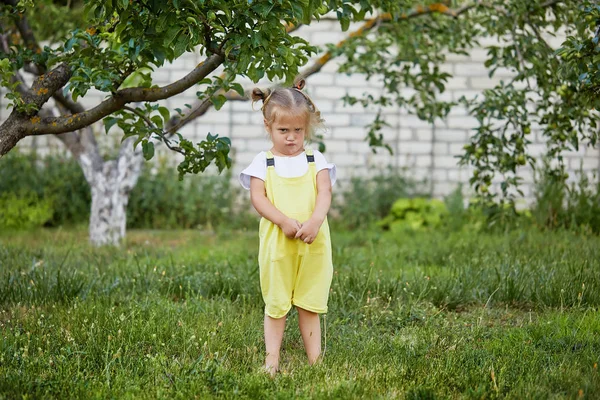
[111,186]
[110,183]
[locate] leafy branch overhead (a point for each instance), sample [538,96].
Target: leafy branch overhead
[118,43]
[552,91]
[114,46]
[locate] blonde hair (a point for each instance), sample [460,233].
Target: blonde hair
[288,100]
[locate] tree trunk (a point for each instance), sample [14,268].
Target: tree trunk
[111,186]
[110,182]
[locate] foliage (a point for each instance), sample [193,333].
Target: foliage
[23,212]
[368,199]
[409,214]
[559,205]
[114,46]
[53,182]
[548,92]
[460,315]
[161,201]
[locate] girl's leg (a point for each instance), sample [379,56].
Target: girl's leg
[273,336]
[310,328]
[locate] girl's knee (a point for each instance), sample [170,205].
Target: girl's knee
[305,311]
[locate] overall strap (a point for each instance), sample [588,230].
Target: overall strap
[310,156]
[270,159]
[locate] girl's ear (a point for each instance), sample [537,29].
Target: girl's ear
[266,125]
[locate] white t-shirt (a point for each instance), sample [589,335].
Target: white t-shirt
[286,167]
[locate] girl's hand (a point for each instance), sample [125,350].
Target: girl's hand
[290,227]
[308,231]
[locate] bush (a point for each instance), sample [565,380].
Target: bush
[23,212]
[161,201]
[558,205]
[54,180]
[368,200]
[415,213]
[33,187]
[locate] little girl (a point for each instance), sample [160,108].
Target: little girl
[290,187]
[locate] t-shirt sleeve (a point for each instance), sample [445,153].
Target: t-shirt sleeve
[258,169]
[321,163]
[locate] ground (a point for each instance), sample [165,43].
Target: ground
[178,314]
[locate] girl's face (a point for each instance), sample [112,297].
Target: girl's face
[288,133]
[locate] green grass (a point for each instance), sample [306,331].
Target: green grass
[419,316]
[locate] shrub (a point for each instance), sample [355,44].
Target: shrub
[24,212]
[161,201]
[558,205]
[54,180]
[368,200]
[415,213]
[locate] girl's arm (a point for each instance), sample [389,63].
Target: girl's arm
[310,228]
[266,209]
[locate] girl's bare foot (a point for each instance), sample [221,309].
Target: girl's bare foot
[270,369]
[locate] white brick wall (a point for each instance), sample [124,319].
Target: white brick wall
[429,152]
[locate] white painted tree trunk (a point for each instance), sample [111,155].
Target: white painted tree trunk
[111,186]
[110,183]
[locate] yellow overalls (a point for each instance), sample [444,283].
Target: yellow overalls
[291,271]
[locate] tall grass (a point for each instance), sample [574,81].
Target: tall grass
[425,315]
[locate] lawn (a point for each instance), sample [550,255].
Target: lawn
[178,314]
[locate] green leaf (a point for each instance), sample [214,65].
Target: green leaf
[238,88]
[218,101]
[109,122]
[148,149]
[164,112]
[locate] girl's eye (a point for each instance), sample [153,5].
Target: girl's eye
[283,130]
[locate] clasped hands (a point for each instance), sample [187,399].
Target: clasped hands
[307,231]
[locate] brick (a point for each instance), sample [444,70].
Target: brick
[359,147]
[347,159]
[478,54]
[423,161]
[406,134]
[585,163]
[353,80]
[440,148]
[381,159]
[258,145]
[336,146]
[439,175]
[329,92]
[249,131]
[216,117]
[245,158]
[361,119]
[412,121]
[338,120]
[319,79]
[348,133]
[484,82]
[457,175]
[470,69]
[240,118]
[424,135]
[456,83]
[441,189]
[446,162]
[457,122]
[415,147]
[455,149]
[325,106]
[467,94]
[450,135]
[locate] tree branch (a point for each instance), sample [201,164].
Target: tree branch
[119,99]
